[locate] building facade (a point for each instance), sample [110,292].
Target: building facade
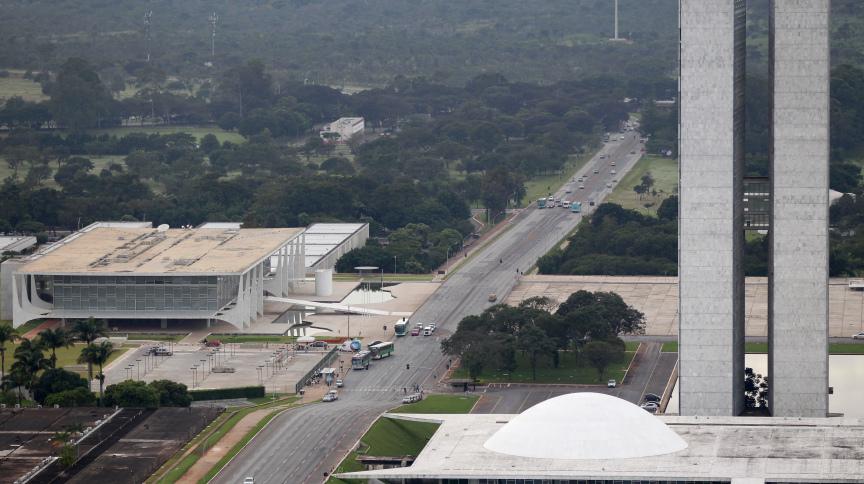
[711,217]
[159,274]
[343,129]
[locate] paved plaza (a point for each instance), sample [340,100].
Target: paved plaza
[657,297]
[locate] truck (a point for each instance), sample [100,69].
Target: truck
[576,207]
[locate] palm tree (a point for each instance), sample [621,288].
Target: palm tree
[16,378]
[88,330]
[29,360]
[7,335]
[53,339]
[97,355]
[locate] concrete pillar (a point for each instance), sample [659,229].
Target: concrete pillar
[711,235]
[163,323]
[798,288]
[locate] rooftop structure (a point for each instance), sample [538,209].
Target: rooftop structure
[327,242]
[543,444]
[134,272]
[147,251]
[16,244]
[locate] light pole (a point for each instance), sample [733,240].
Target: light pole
[138,365]
[194,375]
[394,264]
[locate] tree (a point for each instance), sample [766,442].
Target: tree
[7,335]
[97,355]
[56,380]
[53,339]
[65,451]
[171,394]
[29,360]
[209,143]
[87,330]
[79,100]
[755,390]
[16,378]
[76,397]
[131,394]
[601,354]
[535,342]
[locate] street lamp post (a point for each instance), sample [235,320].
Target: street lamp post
[138,366]
[194,375]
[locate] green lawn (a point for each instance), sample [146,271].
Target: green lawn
[16,85]
[440,404]
[833,348]
[567,371]
[196,131]
[24,328]
[65,356]
[540,186]
[665,173]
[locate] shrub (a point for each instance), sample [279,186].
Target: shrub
[78,397]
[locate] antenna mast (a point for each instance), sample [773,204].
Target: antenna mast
[147,38]
[214,19]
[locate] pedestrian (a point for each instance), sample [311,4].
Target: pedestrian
[405,390]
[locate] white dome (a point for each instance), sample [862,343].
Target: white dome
[585,426]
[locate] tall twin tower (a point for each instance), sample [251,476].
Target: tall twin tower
[712,207]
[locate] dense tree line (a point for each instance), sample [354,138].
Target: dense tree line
[587,323]
[438,150]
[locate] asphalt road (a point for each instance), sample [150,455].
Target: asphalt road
[300,445]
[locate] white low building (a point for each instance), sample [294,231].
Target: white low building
[343,129]
[136,272]
[592,437]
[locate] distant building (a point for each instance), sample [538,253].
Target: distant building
[343,129]
[118,271]
[16,244]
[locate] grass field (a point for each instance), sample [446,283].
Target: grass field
[390,437]
[16,85]
[196,131]
[665,173]
[567,372]
[440,404]
[833,348]
[540,186]
[65,356]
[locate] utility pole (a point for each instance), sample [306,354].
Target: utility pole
[214,19]
[616,19]
[147,37]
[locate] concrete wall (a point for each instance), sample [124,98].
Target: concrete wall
[711,232]
[6,269]
[798,292]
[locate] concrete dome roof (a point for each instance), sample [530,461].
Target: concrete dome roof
[585,426]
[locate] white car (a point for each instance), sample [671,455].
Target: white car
[858,335]
[432,326]
[611,384]
[608,185]
[568,191]
[339,383]
[330,396]
[427,331]
[249,480]
[613,163]
[581,187]
[596,170]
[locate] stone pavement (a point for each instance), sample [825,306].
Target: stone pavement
[657,298]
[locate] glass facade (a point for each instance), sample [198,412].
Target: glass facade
[142,293]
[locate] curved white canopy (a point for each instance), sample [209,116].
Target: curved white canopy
[585,426]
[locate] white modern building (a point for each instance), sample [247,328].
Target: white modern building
[132,271]
[593,438]
[327,242]
[343,129]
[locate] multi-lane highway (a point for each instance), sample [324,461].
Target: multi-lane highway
[300,445]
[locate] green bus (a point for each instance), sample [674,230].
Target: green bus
[576,207]
[381,350]
[361,360]
[541,203]
[401,327]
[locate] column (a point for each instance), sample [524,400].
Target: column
[798,287]
[711,235]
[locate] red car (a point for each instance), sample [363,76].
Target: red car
[415,332]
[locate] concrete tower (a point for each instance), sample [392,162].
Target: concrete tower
[711,230]
[798,283]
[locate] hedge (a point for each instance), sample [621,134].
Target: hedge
[226,393]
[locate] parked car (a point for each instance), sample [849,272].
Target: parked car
[415,332]
[650,407]
[330,396]
[493,297]
[611,384]
[319,344]
[249,480]
[413,398]
[339,383]
[858,335]
[651,397]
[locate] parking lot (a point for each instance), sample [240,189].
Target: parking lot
[276,366]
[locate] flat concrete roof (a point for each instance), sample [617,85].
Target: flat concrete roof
[144,251]
[16,243]
[774,449]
